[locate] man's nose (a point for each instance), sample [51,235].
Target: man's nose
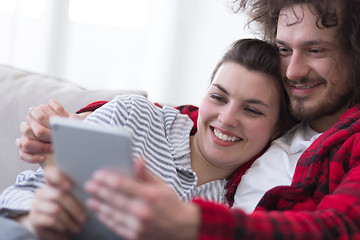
[297,68]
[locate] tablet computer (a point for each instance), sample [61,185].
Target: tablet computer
[80,148]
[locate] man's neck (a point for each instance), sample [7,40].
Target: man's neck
[322,124]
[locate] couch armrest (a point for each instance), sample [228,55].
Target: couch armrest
[20,90]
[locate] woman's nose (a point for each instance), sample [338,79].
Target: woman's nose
[229,117]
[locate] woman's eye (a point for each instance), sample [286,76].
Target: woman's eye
[254,111]
[217,98]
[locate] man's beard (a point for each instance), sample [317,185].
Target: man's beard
[323,108]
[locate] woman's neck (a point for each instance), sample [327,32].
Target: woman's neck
[204,169]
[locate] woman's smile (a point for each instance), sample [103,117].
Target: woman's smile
[225,136]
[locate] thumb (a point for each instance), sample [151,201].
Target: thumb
[58,108]
[144,174]
[54,177]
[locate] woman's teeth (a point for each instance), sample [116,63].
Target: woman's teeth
[225,137]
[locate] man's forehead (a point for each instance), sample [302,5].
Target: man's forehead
[295,14]
[299,23]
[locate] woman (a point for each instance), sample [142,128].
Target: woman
[238,117]
[244,109]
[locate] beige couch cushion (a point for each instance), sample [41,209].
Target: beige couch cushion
[20,90]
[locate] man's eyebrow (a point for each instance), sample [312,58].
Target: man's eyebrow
[280,42]
[307,43]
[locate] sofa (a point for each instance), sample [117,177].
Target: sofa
[20,90]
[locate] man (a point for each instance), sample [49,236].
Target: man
[319,46]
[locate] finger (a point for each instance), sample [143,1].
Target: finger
[33,146]
[116,181]
[26,130]
[74,208]
[120,222]
[54,177]
[57,108]
[53,206]
[124,227]
[41,131]
[133,200]
[51,234]
[50,216]
[39,115]
[31,158]
[119,229]
[51,112]
[67,200]
[144,174]
[109,196]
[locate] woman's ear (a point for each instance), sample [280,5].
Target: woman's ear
[276,134]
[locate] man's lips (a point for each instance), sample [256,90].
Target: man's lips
[303,89]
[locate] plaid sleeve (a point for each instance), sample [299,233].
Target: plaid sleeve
[92,106]
[337,216]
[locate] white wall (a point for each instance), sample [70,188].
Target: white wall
[206,28]
[171,56]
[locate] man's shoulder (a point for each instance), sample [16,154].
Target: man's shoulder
[296,140]
[288,137]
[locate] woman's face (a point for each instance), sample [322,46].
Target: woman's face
[237,116]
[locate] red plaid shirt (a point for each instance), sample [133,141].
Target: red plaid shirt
[323,201]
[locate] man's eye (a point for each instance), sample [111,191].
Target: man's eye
[284,51]
[316,51]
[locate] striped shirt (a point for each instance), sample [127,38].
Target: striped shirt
[160,135]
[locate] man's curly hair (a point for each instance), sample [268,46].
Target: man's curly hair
[330,13]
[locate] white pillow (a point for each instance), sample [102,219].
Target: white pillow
[20,90]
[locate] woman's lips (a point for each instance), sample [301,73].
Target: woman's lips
[225,137]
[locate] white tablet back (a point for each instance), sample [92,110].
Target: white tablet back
[80,149]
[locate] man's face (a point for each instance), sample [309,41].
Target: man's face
[315,76]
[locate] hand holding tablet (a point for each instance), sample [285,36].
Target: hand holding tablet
[80,149]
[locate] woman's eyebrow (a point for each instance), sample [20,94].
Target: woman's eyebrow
[252,100]
[218,86]
[257,101]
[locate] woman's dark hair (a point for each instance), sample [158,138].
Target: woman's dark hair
[260,56]
[330,13]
